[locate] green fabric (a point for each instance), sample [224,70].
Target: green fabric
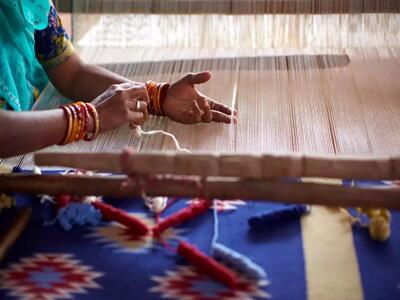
[20,72]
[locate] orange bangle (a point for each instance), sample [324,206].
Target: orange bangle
[77,123]
[85,116]
[151,87]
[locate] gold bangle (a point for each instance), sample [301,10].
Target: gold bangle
[81,121]
[76,124]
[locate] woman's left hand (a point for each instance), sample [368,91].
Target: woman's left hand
[184,104]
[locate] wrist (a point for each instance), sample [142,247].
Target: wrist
[157,93]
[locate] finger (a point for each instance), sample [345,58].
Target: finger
[220,107]
[207,115]
[143,109]
[132,105]
[134,93]
[198,78]
[136,118]
[220,117]
[196,110]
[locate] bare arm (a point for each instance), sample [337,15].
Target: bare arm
[78,80]
[25,132]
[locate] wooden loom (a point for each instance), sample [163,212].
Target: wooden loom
[314,77]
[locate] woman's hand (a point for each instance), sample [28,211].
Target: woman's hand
[122,103]
[184,104]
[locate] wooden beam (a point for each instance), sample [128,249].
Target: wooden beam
[229,6]
[210,188]
[259,166]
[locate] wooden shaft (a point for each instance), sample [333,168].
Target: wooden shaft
[14,231]
[264,166]
[212,188]
[229,6]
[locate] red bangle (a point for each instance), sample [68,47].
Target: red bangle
[95,115]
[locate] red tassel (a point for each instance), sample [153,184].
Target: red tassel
[111,213]
[181,216]
[63,200]
[207,265]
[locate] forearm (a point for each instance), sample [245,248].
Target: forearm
[81,81]
[25,132]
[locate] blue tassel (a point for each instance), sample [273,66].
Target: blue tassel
[78,214]
[238,261]
[270,219]
[17,169]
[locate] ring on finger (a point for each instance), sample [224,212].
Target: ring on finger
[138,106]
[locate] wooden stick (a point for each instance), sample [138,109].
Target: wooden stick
[230,6]
[212,188]
[265,166]
[14,231]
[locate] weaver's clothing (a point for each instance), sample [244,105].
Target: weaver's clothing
[32,39]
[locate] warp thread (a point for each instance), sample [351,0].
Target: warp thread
[231,257]
[185,214]
[76,213]
[111,213]
[207,265]
[271,219]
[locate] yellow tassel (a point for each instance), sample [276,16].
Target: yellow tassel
[6,202]
[379,222]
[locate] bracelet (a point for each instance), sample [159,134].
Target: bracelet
[157,93]
[90,107]
[78,116]
[69,127]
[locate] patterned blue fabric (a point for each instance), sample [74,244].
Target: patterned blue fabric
[107,262]
[379,262]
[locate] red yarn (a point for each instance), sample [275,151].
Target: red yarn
[187,213]
[111,213]
[207,264]
[63,200]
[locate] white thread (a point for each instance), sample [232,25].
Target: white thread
[45,198]
[156,204]
[138,129]
[36,170]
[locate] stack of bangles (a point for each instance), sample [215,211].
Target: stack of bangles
[157,92]
[78,116]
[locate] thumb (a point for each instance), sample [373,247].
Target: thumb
[197,78]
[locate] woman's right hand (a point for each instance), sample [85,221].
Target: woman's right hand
[122,103]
